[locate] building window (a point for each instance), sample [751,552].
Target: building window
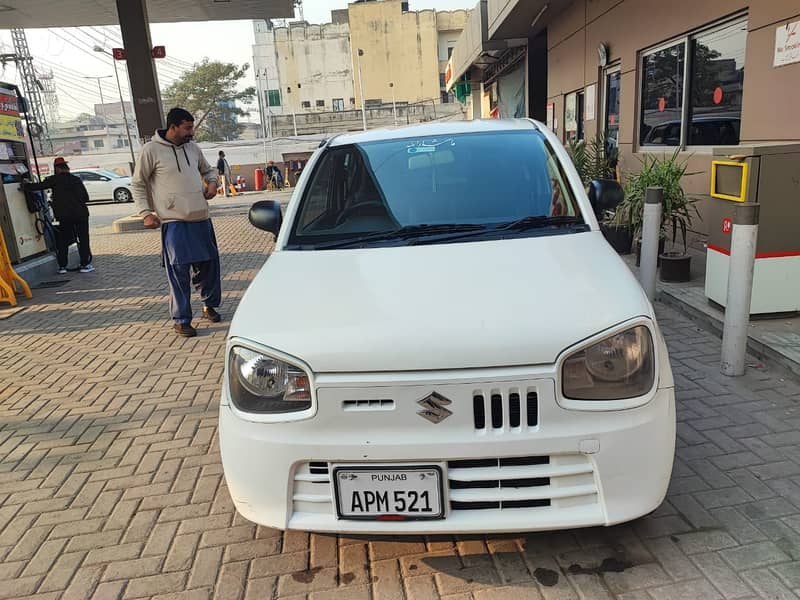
[704,71]
[84,144]
[338,104]
[306,104]
[446,98]
[274,97]
[573,116]
[442,82]
[449,52]
[98,143]
[716,86]
[320,103]
[611,116]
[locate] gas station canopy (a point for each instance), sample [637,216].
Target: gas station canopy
[79,13]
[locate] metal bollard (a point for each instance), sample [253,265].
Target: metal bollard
[651,229]
[740,289]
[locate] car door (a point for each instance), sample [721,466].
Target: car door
[95,185]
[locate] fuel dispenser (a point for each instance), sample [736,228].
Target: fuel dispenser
[18,224]
[769,175]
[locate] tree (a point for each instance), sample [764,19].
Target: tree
[209,92]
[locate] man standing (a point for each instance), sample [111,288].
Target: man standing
[69,207]
[172,184]
[224,170]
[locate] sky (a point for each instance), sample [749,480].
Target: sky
[68,52]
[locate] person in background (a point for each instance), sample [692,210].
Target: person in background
[172,185]
[224,171]
[69,207]
[274,175]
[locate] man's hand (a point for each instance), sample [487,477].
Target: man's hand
[151,221]
[211,190]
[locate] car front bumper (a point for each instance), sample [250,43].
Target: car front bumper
[590,467]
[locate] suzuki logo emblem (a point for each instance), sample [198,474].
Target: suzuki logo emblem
[433,408]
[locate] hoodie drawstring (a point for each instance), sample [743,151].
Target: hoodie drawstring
[187,156]
[177,162]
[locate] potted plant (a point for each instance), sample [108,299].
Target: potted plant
[597,160]
[677,210]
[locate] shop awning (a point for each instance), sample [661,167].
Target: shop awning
[508,19]
[77,13]
[474,49]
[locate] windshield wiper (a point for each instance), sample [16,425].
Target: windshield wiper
[404,233]
[540,221]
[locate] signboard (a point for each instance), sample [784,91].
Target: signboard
[590,100]
[10,123]
[551,113]
[158,52]
[787,44]
[119,53]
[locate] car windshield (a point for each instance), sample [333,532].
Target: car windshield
[110,174]
[493,184]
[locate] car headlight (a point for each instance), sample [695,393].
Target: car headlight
[619,367]
[263,384]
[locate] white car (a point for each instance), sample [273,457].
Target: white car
[443,342]
[105,185]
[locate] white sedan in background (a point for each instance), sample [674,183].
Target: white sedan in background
[105,185]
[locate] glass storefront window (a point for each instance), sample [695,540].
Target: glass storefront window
[662,96]
[691,89]
[613,80]
[716,86]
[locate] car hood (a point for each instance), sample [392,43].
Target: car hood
[445,306]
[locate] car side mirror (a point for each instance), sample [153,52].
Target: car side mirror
[605,194]
[266,215]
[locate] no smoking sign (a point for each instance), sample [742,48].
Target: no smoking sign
[727,225]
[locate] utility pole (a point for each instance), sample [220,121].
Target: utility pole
[291,105]
[31,86]
[394,104]
[102,100]
[359,54]
[122,103]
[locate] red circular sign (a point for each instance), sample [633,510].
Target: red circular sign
[727,225]
[662,104]
[718,95]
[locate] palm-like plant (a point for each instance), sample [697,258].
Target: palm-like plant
[678,209]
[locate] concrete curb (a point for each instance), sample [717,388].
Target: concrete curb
[713,324]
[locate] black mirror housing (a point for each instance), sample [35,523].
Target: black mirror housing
[266,215]
[605,194]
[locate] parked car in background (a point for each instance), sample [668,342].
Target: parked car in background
[480,361]
[105,185]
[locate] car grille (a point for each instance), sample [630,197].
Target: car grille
[559,481]
[312,488]
[510,410]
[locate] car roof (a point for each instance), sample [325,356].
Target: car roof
[437,129]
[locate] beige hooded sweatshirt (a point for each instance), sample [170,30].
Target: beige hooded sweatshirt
[168,180]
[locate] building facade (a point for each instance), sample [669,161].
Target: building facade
[307,68]
[653,76]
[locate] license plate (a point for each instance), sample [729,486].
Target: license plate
[388,493]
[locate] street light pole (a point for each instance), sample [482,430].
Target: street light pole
[394,104]
[291,105]
[359,54]
[122,104]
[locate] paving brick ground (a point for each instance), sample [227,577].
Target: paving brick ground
[111,484]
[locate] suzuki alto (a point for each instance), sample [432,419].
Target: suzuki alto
[442,341]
